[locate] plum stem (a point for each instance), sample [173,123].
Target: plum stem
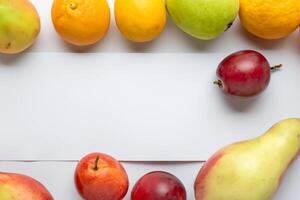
[96,163]
[218,83]
[276,67]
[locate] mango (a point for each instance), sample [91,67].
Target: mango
[19,25]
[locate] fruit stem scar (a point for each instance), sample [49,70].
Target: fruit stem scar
[276,67]
[218,83]
[96,164]
[73,5]
[229,25]
[8,45]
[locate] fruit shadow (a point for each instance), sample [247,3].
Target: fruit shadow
[133,47]
[11,60]
[165,163]
[260,43]
[298,45]
[94,48]
[195,45]
[140,47]
[239,104]
[81,49]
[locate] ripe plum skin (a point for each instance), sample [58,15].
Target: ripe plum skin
[158,186]
[244,73]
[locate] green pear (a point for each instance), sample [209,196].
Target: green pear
[203,19]
[19,25]
[250,170]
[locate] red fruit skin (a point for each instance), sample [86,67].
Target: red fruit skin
[158,186]
[108,182]
[244,73]
[19,182]
[199,185]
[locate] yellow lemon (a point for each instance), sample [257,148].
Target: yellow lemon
[270,19]
[140,20]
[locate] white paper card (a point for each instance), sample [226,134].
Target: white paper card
[136,102]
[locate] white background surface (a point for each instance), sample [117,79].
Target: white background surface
[155,103]
[58,176]
[137,102]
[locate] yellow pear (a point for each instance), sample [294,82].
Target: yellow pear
[250,170]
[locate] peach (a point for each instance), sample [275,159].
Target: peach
[21,187]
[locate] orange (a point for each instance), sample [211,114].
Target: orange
[140,20]
[81,22]
[270,19]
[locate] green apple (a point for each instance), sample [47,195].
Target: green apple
[203,19]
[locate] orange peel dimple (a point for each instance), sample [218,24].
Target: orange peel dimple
[92,19]
[73,5]
[270,19]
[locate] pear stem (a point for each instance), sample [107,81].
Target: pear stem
[218,83]
[96,163]
[276,67]
[228,26]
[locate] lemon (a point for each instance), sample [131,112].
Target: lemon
[270,19]
[140,20]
